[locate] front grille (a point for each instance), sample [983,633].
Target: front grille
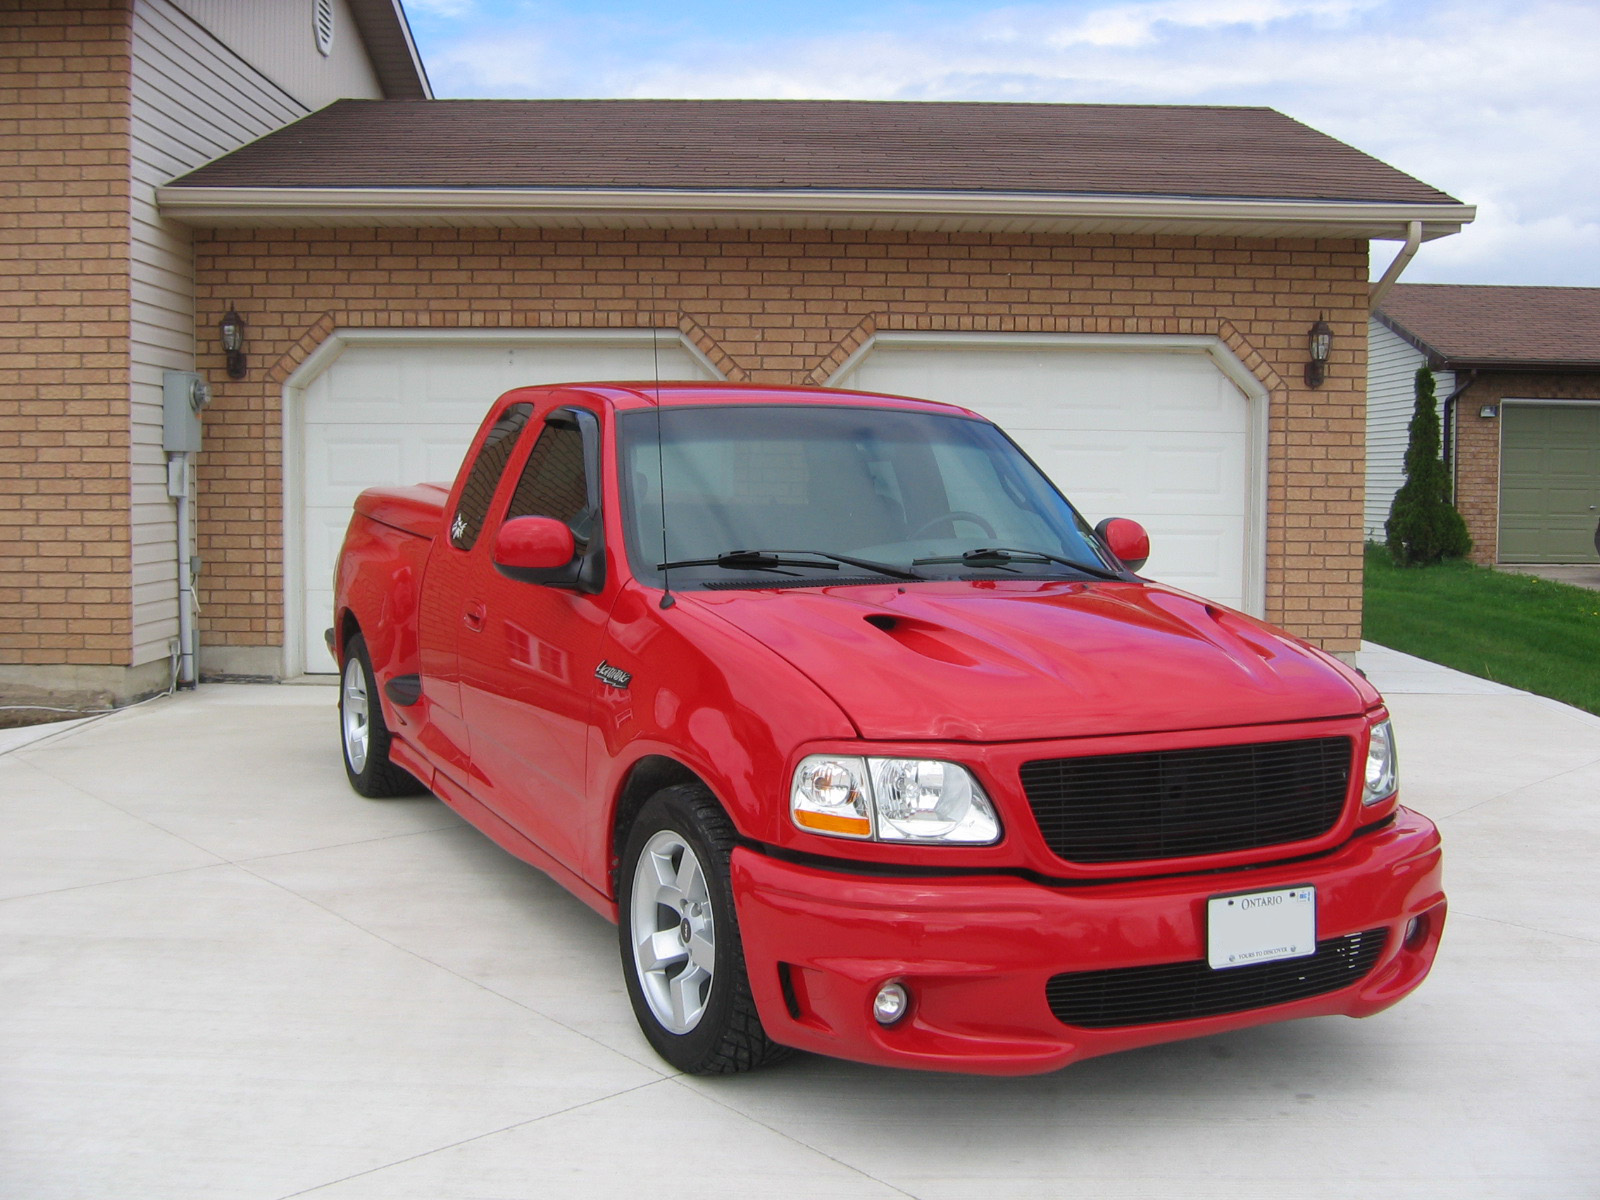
[1178,803]
[1187,990]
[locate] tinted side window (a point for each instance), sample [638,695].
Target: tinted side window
[555,483]
[484,477]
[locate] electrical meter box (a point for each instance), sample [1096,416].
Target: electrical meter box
[183,395]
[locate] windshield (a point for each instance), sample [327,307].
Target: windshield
[889,486]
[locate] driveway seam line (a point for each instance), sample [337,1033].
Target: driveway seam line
[789,1137]
[388,837]
[79,887]
[475,1138]
[1514,791]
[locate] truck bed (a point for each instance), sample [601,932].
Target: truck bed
[418,509]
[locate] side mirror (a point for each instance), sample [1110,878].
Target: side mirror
[1126,539]
[533,544]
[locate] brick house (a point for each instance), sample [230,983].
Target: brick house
[1128,289]
[1517,372]
[101,101]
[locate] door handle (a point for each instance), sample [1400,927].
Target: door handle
[472,616]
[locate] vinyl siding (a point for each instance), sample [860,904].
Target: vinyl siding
[275,38]
[1392,364]
[193,99]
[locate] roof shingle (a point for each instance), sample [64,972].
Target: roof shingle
[781,145]
[1466,325]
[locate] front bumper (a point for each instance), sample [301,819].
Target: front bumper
[976,952]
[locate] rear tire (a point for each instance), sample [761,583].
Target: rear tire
[364,736]
[681,953]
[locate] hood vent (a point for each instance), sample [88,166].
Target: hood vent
[925,638]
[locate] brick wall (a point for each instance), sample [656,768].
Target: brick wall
[788,306]
[65,586]
[1478,443]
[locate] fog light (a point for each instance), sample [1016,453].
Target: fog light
[890,1004]
[1416,930]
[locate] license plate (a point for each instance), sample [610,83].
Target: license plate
[1258,927]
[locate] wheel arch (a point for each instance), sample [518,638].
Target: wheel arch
[644,779]
[347,628]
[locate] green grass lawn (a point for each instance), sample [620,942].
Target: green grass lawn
[1518,630]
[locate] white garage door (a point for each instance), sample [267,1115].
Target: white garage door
[1159,435]
[396,412]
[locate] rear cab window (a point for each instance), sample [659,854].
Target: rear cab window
[483,480]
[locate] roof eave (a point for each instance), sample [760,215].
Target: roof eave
[224,207]
[386,34]
[1543,365]
[1434,356]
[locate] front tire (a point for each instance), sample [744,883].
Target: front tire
[363,734]
[681,953]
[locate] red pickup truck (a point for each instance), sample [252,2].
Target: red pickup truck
[869,744]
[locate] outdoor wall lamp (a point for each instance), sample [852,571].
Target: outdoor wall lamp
[232,331]
[1319,341]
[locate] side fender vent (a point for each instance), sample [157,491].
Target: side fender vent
[404,690]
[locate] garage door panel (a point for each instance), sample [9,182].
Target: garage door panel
[1125,393]
[1101,471]
[461,381]
[442,458]
[1202,561]
[1195,479]
[347,462]
[365,381]
[388,414]
[344,459]
[1549,478]
[1569,460]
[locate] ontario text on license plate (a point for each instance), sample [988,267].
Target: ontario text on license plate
[1258,927]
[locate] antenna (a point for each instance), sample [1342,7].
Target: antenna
[667,600]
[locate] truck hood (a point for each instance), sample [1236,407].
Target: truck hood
[1022,660]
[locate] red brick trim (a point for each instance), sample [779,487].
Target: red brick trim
[318,332]
[840,354]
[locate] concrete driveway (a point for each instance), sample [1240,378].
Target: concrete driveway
[222,974]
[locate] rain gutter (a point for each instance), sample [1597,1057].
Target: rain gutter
[246,206]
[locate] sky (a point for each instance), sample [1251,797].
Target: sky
[1496,102]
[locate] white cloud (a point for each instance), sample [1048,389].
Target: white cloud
[1146,24]
[1492,100]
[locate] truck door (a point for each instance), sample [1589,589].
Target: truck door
[441,614]
[529,651]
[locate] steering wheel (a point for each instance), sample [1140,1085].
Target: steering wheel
[955,514]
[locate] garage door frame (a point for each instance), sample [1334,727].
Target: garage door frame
[1256,396]
[326,355]
[1499,451]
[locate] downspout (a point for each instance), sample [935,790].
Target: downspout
[1447,440]
[1407,252]
[179,478]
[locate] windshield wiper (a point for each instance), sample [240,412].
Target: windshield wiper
[767,560]
[1001,556]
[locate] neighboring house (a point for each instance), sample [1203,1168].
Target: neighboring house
[1517,373]
[1129,290]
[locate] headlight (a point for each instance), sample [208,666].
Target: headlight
[892,800]
[830,796]
[1382,769]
